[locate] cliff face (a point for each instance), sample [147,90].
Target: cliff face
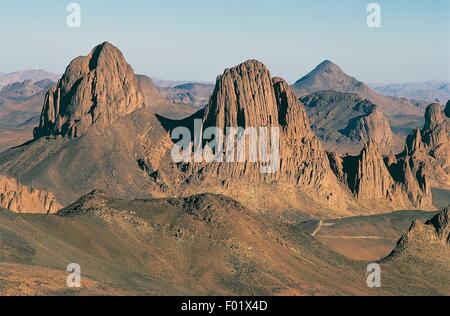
[374,181]
[244,97]
[95,89]
[430,146]
[21,199]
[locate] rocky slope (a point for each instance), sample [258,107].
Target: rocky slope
[202,245]
[423,249]
[98,88]
[21,199]
[328,76]
[434,234]
[345,123]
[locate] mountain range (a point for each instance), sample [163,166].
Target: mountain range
[328,76]
[82,119]
[24,75]
[430,91]
[100,168]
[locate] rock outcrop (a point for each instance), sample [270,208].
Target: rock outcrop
[21,199]
[430,146]
[374,181]
[95,89]
[345,123]
[243,96]
[428,237]
[247,97]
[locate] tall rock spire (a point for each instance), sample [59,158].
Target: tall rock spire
[95,89]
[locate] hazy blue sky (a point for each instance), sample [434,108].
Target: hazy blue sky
[197,39]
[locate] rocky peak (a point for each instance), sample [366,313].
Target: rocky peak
[414,142]
[95,89]
[434,116]
[376,180]
[243,97]
[329,67]
[21,199]
[291,114]
[247,96]
[431,146]
[391,159]
[373,180]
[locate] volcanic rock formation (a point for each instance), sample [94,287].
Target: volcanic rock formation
[431,146]
[246,96]
[101,133]
[95,89]
[374,181]
[106,139]
[21,199]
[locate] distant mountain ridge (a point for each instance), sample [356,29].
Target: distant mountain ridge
[23,75]
[430,91]
[191,93]
[25,89]
[328,76]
